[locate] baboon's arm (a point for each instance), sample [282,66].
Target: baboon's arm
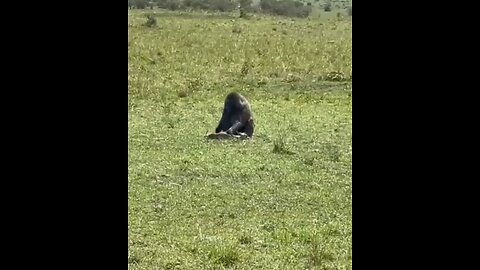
[233,129]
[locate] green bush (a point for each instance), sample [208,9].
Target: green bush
[214,5]
[327,7]
[140,4]
[285,8]
[169,4]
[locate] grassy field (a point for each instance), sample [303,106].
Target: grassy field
[280,201]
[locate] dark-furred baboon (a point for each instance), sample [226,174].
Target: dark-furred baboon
[237,116]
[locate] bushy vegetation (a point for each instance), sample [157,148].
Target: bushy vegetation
[138,4]
[213,5]
[291,8]
[327,7]
[285,8]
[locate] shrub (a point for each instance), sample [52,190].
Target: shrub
[169,4]
[214,5]
[327,7]
[285,8]
[140,4]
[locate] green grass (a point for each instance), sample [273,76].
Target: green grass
[280,201]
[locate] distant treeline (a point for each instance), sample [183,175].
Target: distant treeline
[291,8]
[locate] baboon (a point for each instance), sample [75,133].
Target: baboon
[237,116]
